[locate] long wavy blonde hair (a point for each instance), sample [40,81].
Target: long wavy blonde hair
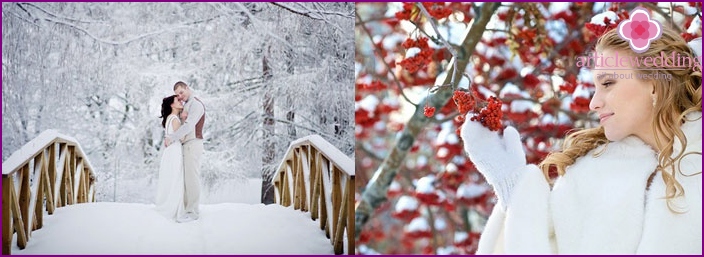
[675,99]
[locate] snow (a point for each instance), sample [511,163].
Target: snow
[469,191]
[599,18]
[558,7]
[585,75]
[581,91]
[368,103]
[447,135]
[547,119]
[389,42]
[695,26]
[344,162]
[395,186]
[406,203]
[363,249]
[557,30]
[452,32]
[440,224]
[234,191]
[451,168]
[696,45]
[688,10]
[509,88]
[232,228]
[485,91]
[28,150]
[422,160]
[418,224]
[443,152]
[519,106]
[562,118]
[460,236]
[447,250]
[413,51]
[366,79]
[425,185]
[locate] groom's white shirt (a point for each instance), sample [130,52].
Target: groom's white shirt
[195,111]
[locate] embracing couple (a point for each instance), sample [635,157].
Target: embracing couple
[178,193]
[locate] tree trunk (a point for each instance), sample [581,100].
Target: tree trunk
[291,114]
[375,192]
[268,136]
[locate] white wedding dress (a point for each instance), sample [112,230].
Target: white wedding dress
[170,190]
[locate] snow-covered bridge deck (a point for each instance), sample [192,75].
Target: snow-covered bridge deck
[127,228]
[48,196]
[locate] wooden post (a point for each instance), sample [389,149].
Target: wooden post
[296,171]
[302,178]
[51,204]
[6,215]
[341,224]
[350,215]
[336,199]
[315,188]
[16,217]
[25,194]
[38,210]
[323,202]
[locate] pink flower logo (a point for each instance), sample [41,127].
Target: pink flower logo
[639,30]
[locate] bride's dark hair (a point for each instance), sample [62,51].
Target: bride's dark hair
[166,108]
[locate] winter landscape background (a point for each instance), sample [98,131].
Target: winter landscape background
[268,73]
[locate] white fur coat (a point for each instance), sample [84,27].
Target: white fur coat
[601,205]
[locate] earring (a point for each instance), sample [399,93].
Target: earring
[654,101]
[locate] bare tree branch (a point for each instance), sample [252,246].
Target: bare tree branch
[388,68]
[375,192]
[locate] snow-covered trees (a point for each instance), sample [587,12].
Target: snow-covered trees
[98,72]
[419,193]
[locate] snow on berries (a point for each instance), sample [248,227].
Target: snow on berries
[418,54]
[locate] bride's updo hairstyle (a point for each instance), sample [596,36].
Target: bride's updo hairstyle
[166,108]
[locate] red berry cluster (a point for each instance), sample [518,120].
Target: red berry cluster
[598,30]
[421,59]
[490,116]
[375,86]
[688,36]
[580,104]
[464,100]
[429,111]
[436,10]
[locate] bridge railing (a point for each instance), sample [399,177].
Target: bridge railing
[315,176]
[48,172]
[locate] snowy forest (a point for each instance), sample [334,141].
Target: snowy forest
[267,73]
[420,67]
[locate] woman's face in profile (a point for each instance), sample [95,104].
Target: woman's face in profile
[176,104]
[622,101]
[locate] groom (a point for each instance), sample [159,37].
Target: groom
[192,129]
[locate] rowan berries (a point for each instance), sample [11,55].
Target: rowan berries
[490,115]
[429,111]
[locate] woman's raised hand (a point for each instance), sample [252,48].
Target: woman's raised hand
[500,159]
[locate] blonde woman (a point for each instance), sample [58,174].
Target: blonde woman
[631,186]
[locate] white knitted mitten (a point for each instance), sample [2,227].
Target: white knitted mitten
[500,160]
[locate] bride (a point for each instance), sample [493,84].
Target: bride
[170,190]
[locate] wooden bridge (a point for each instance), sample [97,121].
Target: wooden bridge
[52,171]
